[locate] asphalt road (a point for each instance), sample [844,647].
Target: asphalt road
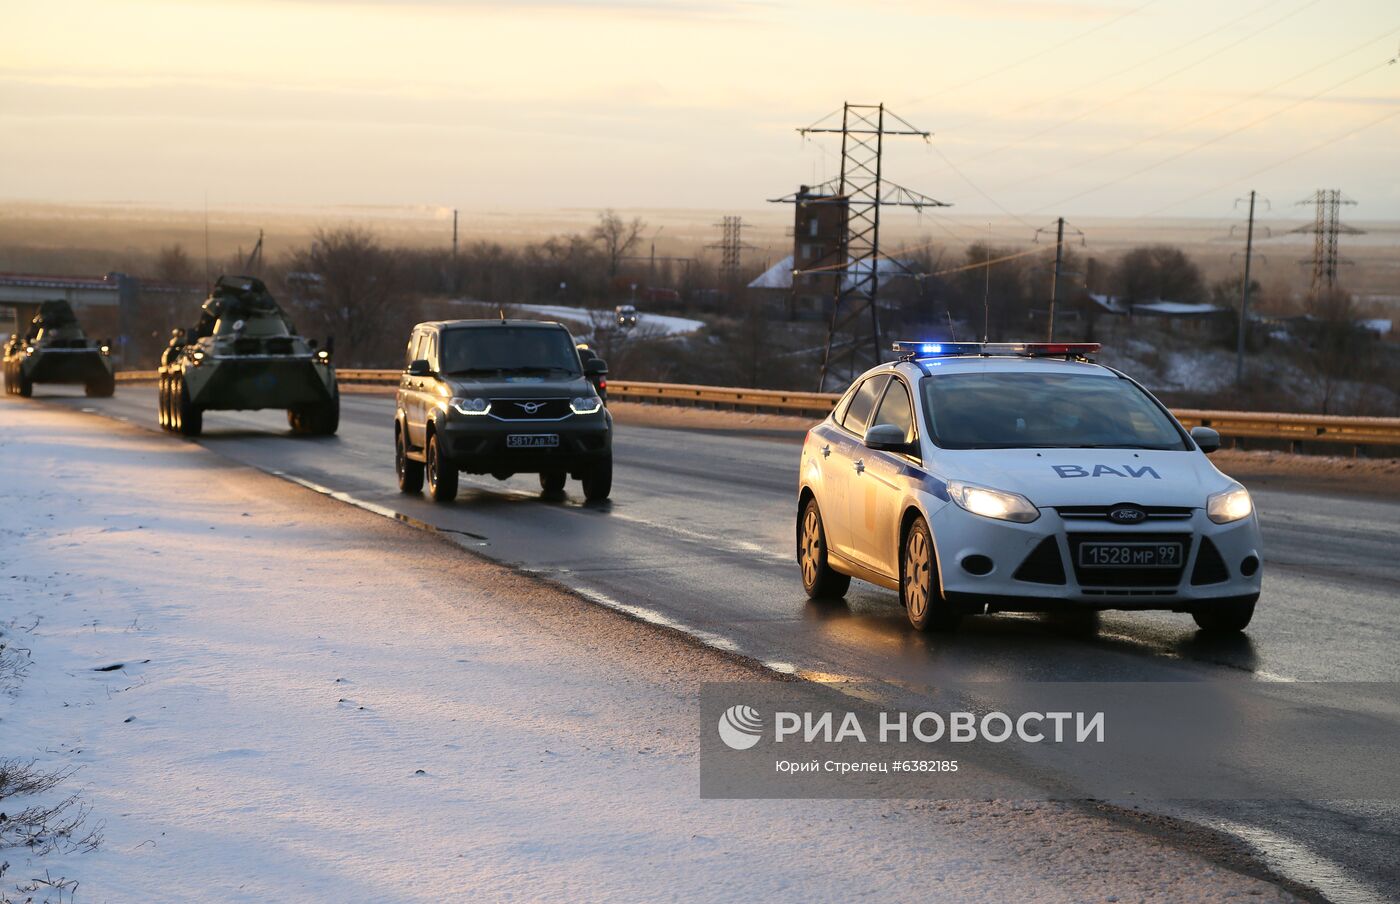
[699,534]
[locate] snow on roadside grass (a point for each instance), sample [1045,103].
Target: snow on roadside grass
[270,696]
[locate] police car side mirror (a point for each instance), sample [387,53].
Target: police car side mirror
[418,368]
[595,367]
[888,438]
[1206,438]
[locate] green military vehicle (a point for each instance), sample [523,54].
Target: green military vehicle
[245,354]
[55,350]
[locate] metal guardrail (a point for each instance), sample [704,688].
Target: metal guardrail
[1293,428]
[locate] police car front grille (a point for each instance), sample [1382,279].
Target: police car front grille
[1128,577]
[530,409]
[1100,512]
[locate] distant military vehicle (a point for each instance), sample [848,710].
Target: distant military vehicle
[55,350]
[244,354]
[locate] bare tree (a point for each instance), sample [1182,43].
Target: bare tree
[617,237]
[1157,272]
[359,293]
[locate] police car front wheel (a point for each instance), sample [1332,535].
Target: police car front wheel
[1226,616]
[918,583]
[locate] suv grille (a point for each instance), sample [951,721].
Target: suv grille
[1128,577]
[530,409]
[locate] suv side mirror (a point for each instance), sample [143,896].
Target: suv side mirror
[888,438]
[1206,438]
[419,368]
[595,367]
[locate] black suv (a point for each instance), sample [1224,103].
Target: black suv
[500,397]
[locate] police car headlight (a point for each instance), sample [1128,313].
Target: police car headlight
[1231,505]
[991,503]
[471,406]
[585,405]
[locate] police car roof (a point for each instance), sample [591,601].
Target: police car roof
[997,364]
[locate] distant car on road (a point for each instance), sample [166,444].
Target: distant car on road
[500,397]
[995,477]
[626,316]
[56,350]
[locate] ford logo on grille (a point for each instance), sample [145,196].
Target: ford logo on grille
[530,407]
[1127,514]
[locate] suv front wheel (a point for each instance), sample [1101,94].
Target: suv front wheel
[597,481]
[441,473]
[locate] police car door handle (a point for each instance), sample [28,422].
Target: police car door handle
[826,450]
[860,466]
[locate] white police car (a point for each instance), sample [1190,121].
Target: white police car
[986,477]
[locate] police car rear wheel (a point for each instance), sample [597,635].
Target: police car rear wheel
[1224,617]
[819,579]
[918,585]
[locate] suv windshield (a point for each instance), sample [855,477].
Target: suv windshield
[508,349]
[1044,411]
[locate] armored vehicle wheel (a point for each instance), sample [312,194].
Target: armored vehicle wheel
[410,472]
[189,417]
[316,420]
[597,481]
[552,482]
[24,387]
[163,403]
[102,388]
[442,474]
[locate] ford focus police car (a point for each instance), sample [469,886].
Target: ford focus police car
[986,477]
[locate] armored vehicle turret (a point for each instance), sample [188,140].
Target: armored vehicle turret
[54,349]
[244,354]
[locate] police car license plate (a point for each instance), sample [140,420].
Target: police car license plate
[1130,555]
[532,440]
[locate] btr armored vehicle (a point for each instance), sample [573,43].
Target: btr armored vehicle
[501,398]
[244,354]
[55,350]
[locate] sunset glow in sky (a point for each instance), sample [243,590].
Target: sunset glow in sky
[1045,107]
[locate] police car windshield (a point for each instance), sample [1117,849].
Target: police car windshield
[508,349]
[1019,410]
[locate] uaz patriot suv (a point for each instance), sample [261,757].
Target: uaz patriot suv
[500,397]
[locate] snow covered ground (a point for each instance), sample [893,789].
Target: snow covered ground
[270,696]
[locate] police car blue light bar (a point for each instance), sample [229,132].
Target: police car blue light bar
[915,349]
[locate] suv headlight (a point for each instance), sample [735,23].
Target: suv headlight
[585,405]
[1231,505]
[991,503]
[471,406]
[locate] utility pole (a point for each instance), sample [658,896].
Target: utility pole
[1244,295]
[1057,273]
[859,192]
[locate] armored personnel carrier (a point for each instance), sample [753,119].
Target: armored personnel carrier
[55,350]
[244,353]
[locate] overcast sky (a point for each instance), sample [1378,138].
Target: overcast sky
[1039,107]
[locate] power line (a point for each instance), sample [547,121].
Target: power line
[1277,163]
[1210,141]
[1202,117]
[1043,52]
[1326,228]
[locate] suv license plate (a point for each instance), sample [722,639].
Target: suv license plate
[532,441]
[1130,555]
